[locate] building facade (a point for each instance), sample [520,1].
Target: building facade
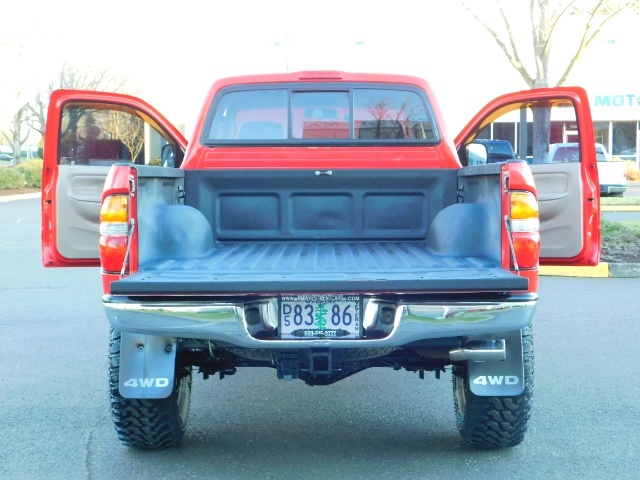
[616,117]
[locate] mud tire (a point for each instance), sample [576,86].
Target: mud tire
[494,422]
[148,424]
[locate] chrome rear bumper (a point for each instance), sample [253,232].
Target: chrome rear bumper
[393,324]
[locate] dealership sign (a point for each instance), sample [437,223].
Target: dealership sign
[627,100]
[620,106]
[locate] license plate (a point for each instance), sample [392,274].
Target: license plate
[320,316]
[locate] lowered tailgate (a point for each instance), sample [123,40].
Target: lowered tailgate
[271,268]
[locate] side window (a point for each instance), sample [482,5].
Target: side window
[539,132]
[100,135]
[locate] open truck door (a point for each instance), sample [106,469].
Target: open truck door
[87,132]
[534,122]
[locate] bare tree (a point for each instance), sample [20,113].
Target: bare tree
[70,78]
[392,120]
[14,134]
[544,17]
[381,111]
[31,115]
[129,129]
[18,135]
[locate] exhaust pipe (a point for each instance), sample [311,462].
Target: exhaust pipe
[480,351]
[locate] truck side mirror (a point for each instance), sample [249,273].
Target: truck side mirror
[168,156]
[476,154]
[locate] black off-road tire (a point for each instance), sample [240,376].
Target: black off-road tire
[494,422]
[149,424]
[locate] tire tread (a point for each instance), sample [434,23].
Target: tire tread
[498,422]
[148,424]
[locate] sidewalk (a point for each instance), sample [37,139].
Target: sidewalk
[602,270]
[24,196]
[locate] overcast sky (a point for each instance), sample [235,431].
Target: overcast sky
[170,52]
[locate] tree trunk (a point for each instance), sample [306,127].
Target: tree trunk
[541,134]
[17,141]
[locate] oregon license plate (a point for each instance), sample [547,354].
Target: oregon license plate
[320,316]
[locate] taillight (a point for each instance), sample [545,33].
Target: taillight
[524,225]
[114,230]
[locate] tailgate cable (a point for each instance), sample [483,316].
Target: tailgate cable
[507,224]
[125,262]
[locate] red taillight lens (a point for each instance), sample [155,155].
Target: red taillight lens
[525,225]
[527,249]
[112,253]
[114,229]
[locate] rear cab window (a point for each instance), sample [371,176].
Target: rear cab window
[345,114]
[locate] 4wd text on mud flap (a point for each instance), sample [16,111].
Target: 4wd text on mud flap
[496,380]
[147,382]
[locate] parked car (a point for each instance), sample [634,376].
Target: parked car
[5,159]
[497,150]
[612,175]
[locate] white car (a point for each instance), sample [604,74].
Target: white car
[612,175]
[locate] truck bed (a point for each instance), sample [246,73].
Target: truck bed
[270,232]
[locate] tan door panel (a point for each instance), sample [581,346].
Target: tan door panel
[78,209]
[560,200]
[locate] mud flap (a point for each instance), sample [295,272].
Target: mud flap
[499,378]
[147,365]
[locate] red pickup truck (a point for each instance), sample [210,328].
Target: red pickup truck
[318,223]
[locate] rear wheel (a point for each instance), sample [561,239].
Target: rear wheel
[148,423]
[494,422]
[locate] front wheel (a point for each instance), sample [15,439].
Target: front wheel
[148,423]
[494,422]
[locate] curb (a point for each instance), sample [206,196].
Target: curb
[620,208]
[602,270]
[23,196]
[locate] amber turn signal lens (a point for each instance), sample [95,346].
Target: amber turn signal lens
[113,232]
[524,224]
[524,212]
[114,209]
[523,206]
